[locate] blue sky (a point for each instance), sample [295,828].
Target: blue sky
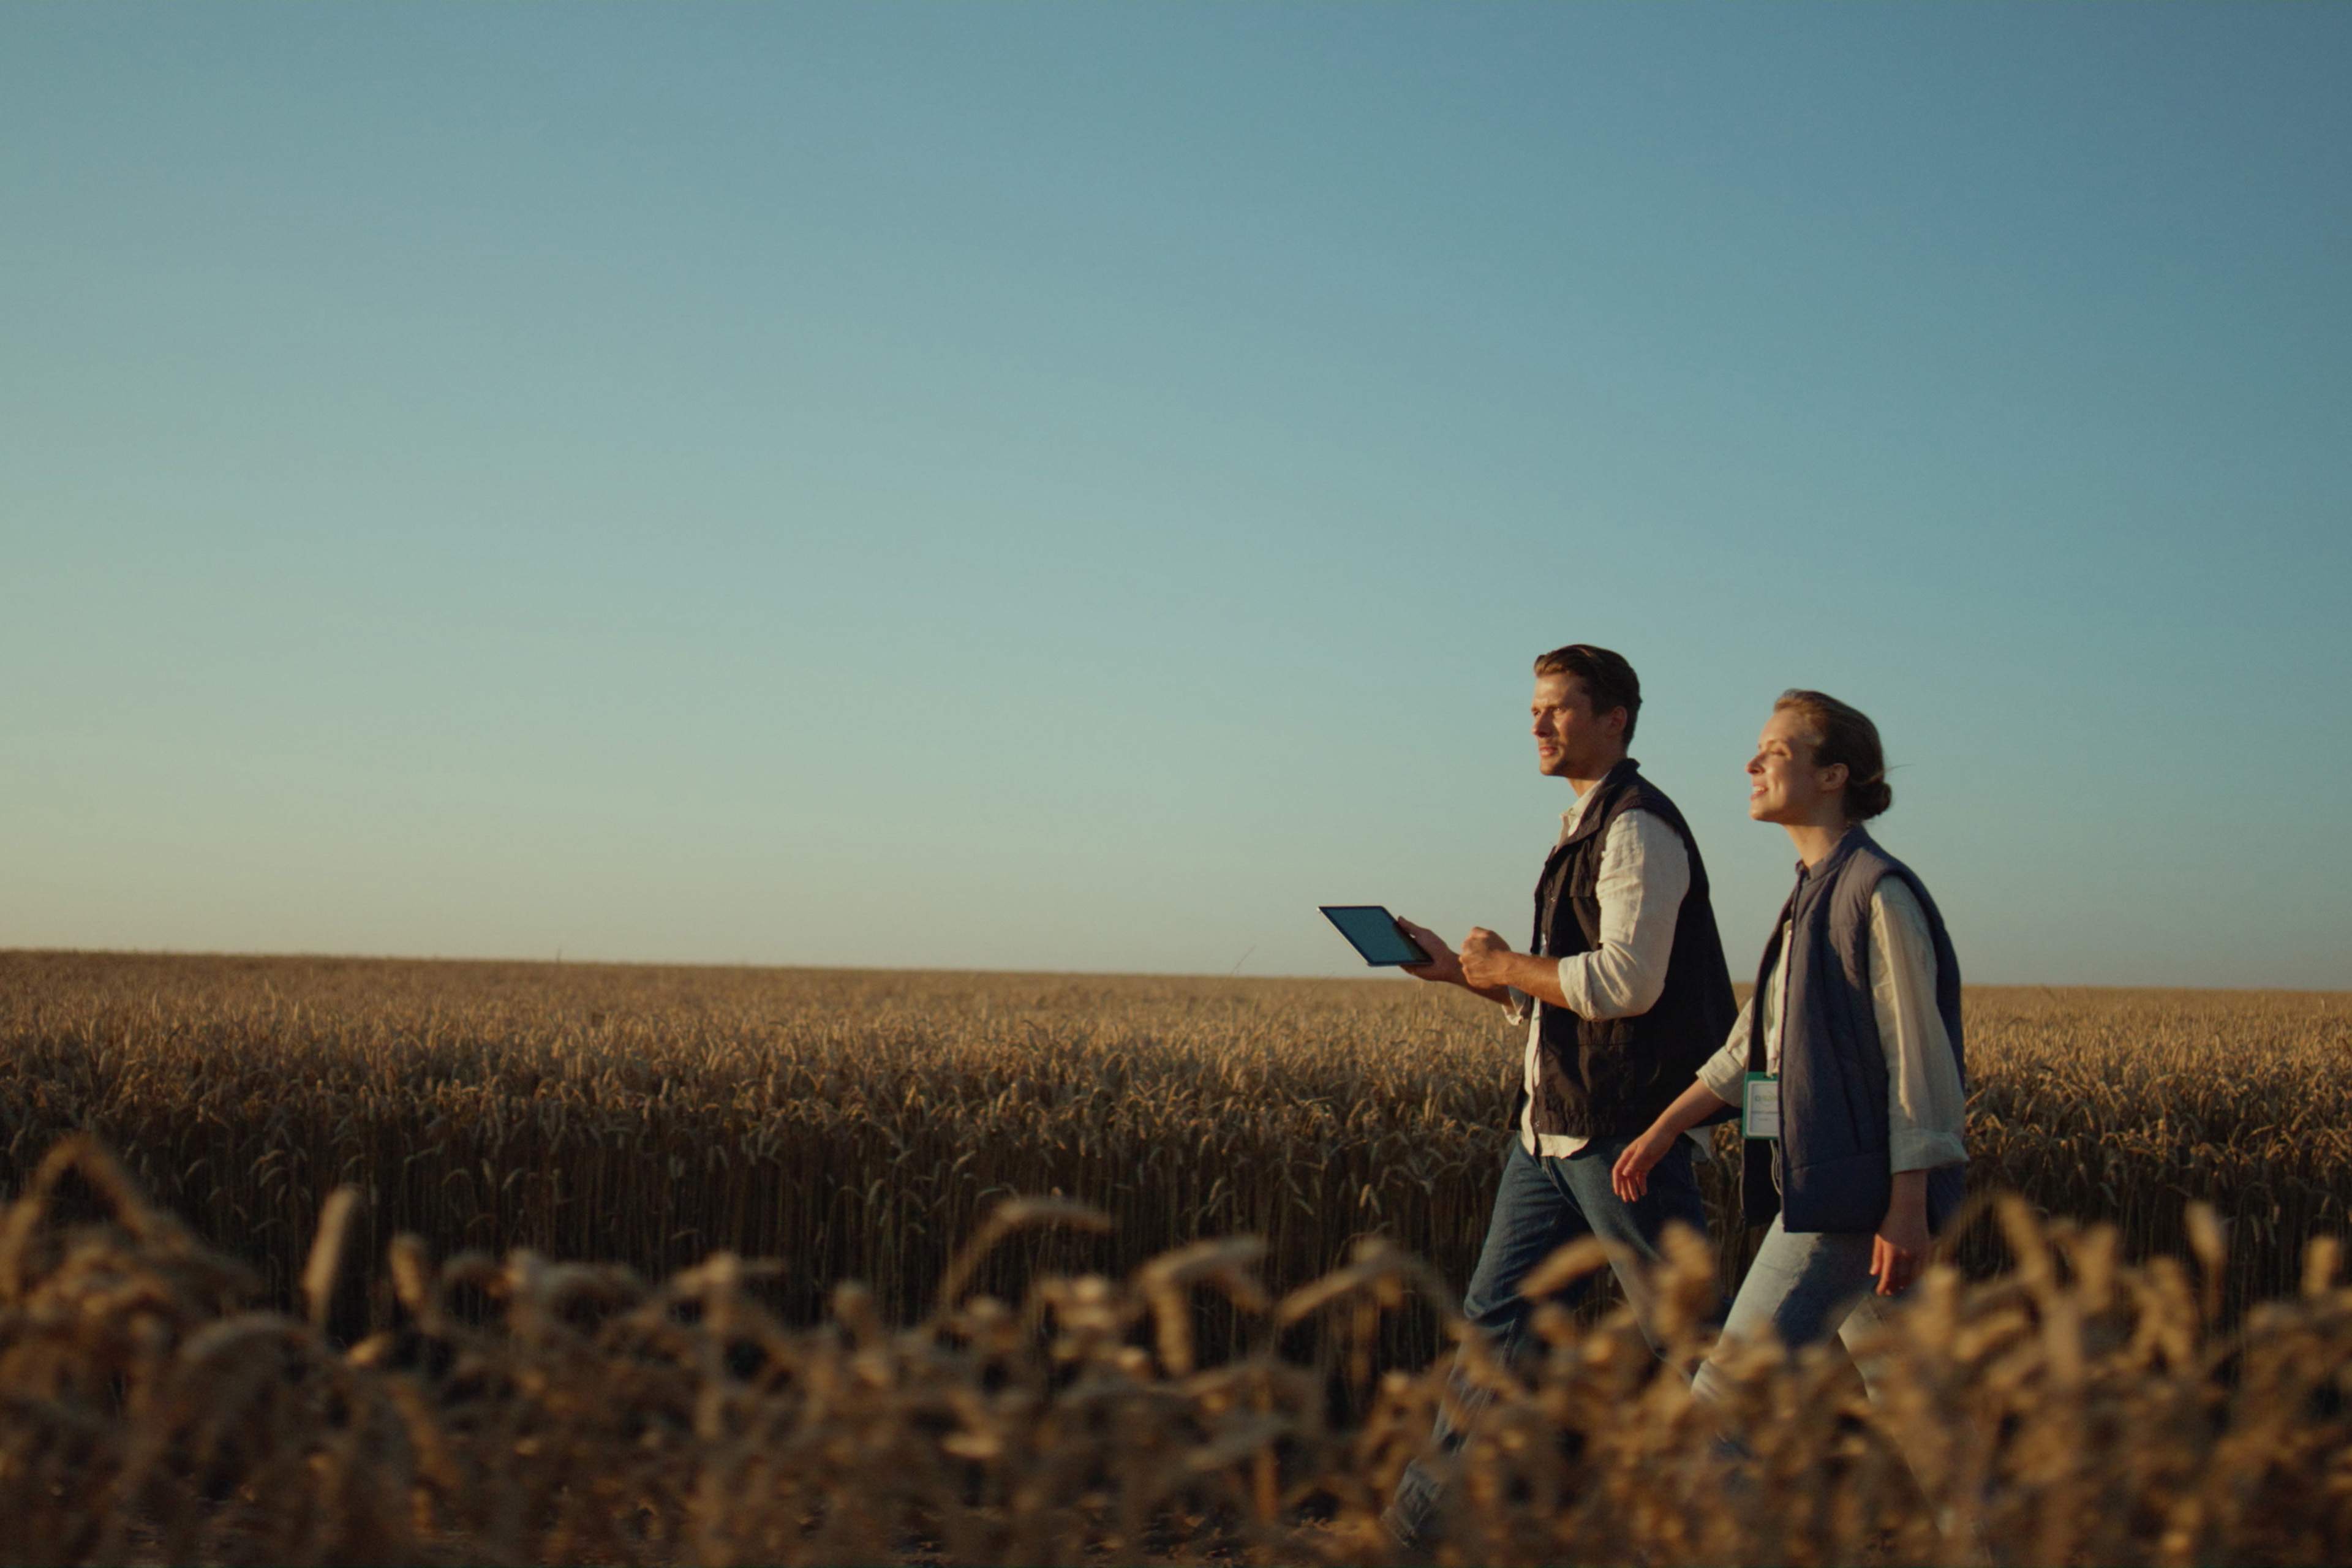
[1074,488]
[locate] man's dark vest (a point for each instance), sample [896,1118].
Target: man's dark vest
[1609,1078]
[1834,1136]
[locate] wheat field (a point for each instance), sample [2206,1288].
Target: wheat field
[1202,1332]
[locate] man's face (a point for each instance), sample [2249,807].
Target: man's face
[1784,784]
[1570,743]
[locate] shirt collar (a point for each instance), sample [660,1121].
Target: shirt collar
[1852,836]
[1573,817]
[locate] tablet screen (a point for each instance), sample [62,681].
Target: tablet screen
[1372,930]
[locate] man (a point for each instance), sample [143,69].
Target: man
[1625,993]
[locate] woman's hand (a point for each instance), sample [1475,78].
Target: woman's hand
[1899,1250]
[1629,1178]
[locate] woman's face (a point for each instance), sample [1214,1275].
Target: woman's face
[1783,784]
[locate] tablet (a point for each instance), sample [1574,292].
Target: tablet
[1373,931]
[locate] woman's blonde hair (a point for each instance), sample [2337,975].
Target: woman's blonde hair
[1846,735]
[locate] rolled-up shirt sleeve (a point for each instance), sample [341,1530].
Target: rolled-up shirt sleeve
[1727,1070]
[1925,1105]
[1644,874]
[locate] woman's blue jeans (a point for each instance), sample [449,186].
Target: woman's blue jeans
[1803,1287]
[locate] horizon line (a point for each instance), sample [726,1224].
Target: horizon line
[558,961]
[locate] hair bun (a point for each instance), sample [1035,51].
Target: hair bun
[1843,734]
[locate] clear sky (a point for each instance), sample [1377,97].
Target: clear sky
[1076,487]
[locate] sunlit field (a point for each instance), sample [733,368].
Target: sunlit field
[616,1326]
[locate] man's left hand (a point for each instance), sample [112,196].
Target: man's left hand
[1486,959]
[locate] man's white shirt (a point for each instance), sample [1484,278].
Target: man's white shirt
[1644,873]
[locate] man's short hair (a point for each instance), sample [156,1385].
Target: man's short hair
[1606,678]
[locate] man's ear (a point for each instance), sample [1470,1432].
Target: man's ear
[1616,719]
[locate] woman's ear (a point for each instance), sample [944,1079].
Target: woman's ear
[1835,784]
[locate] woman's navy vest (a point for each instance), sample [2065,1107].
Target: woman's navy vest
[1834,1173]
[1609,1078]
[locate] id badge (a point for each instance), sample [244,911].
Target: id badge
[1759,1116]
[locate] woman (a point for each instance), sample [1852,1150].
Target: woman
[1852,1037]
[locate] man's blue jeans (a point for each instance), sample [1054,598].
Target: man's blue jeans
[1540,1205]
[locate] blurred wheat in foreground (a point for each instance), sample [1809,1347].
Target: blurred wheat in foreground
[2077,1409]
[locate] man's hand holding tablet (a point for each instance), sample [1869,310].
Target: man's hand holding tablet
[1444,964]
